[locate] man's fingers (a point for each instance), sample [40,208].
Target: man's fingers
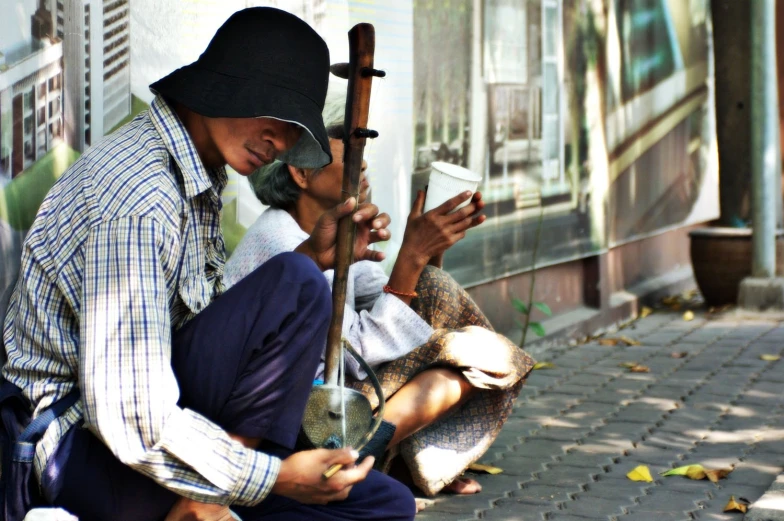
[366,211]
[343,209]
[379,236]
[372,255]
[356,474]
[345,456]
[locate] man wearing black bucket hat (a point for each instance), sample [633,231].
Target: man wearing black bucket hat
[181,399]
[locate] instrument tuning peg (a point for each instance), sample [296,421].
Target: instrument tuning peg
[365,133]
[340,70]
[368,71]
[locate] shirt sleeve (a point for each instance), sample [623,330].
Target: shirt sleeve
[129,390]
[386,328]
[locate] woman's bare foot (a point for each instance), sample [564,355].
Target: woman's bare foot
[463,485]
[422,503]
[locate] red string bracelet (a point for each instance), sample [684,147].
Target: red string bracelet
[388,289]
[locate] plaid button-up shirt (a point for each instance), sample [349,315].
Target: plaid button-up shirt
[125,249]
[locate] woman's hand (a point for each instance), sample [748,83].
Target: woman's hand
[430,234]
[371,228]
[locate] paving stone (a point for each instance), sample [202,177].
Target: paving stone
[625,385]
[617,430]
[586,415]
[563,476]
[460,504]
[692,422]
[641,412]
[722,494]
[590,419]
[665,500]
[588,379]
[664,391]
[751,473]
[430,514]
[584,504]
[522,468]
[622,490]
[654,456]
[538,492]
[511,509]
[564,434]
[574,390]
[670,441]
[614,396]
[535,445]
[583,459]
[706,450]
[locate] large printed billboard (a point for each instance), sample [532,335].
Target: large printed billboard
[595,114]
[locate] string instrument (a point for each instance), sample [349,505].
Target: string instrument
[336,416]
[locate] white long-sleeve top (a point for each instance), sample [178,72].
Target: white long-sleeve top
[378,325]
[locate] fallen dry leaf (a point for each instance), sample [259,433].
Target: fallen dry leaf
[630,341]
[688,295]
[640,473]
[645,311]
[735,506]
[639,369]
[770,358]
[689,471]
[689,315]
[719,309]
[613,341]
[681,354]
[627,365]
[543,365]
[698,472]
[717,474]
[488,469]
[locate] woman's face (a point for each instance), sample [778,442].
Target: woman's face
[325,187]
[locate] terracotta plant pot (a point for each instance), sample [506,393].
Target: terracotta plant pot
[721,258]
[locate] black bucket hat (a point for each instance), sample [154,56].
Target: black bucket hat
[262,62]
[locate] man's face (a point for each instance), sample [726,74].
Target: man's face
[246,144]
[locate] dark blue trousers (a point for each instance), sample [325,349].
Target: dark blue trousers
[246,362]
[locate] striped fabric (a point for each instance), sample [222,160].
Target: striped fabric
[125,249]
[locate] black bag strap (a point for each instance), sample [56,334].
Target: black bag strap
[38,426]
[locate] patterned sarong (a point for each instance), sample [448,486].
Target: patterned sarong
[463,339]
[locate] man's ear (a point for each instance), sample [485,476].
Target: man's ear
[299,176]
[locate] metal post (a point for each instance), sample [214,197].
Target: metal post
[765,150]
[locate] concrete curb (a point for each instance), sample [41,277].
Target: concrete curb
[770,507]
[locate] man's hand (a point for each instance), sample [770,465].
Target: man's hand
[371,228]
[300,475]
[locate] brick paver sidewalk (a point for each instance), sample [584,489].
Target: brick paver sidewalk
[579,428]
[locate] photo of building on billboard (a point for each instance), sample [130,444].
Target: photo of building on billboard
[64,82]
[526,134]
[593,113]
[659,118]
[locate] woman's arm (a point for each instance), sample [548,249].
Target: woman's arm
[428,236]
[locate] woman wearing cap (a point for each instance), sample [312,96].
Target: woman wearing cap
[449,380]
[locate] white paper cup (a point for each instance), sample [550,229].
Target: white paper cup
[448,180]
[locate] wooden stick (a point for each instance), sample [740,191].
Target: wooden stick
[362,42]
